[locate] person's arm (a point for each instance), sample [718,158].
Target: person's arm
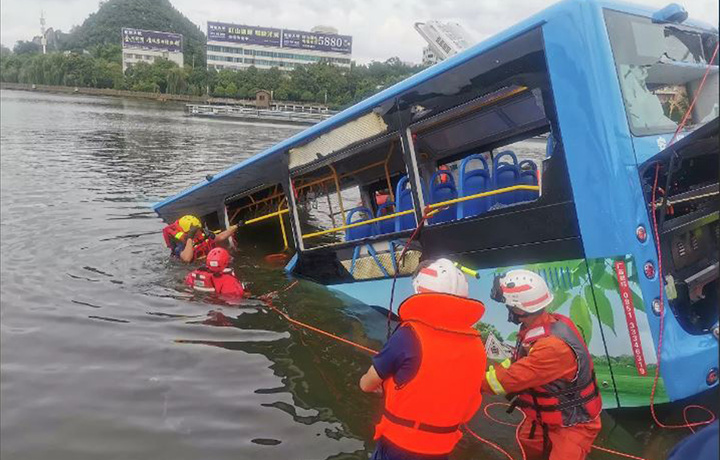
[371,381]
[549,359]
[224,235]
[188,253]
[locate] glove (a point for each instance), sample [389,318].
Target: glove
[191,233]
[208,233]
[496,292]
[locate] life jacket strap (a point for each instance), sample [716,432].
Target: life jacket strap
[419,425]
[568,391]
[559,407]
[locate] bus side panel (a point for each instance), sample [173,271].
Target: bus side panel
[613,294]
[569,282]
[605,181]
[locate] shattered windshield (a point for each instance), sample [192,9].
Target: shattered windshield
[660,67]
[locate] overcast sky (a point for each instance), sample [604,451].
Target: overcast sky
[380,28]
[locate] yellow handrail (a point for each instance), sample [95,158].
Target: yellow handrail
[282,226]
[358,224]
[266,216]
[432,206]
[483,195]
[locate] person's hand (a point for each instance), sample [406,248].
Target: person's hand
[191,233]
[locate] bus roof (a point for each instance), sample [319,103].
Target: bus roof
[205,196]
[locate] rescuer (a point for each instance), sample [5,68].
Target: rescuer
[215,276]
[201,240]
[550,377]
[431,368]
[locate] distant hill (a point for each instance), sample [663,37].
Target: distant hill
[104,26]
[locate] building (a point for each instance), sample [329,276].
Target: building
[148,45]
[233,46]
[444,40]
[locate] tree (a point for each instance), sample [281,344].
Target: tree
[24,47]
[5,51]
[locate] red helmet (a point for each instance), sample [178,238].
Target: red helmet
[217,260]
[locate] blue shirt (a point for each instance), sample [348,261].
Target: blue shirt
[400,357]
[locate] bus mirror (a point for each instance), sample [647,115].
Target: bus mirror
[672,13]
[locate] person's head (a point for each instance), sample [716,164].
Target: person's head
[524,293]
[217,260]
[439,276]
[188,222]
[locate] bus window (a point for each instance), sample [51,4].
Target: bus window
[473,170]
[368,184]
[264,214]
[660,67]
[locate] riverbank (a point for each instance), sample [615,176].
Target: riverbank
[124,93]
[208,100]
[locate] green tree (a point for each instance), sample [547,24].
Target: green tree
[25,47]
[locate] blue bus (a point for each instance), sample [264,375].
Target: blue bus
[563,145]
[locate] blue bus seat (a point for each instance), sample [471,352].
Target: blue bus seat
[403,197]
[387,225]
[443,191]
[506,174]
[528,176]
[471,183]
[362,231]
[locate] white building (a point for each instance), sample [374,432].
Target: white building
[444,39]
[148,45]
[233,46]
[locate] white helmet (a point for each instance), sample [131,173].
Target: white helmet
[441,276]
[522,289]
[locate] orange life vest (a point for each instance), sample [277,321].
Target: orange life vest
[174,234]
[425,414]
[561,402]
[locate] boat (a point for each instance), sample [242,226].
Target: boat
[559,145]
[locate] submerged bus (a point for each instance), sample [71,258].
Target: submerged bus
[542,148]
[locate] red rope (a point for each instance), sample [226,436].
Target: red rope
[662,322]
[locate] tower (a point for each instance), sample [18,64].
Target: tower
[43,38]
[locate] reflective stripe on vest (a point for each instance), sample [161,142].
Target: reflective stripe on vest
[563,402]
[424,414]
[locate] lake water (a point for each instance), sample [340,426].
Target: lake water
[104,354]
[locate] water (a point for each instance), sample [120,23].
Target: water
[105,355]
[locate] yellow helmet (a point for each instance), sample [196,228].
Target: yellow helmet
[189,221]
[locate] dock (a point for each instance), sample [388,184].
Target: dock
[285,114]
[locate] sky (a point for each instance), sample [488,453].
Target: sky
[380,28]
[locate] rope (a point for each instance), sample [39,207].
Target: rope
[662,323]
[428,213]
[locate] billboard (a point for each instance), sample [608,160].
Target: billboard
[280,38]
[150,39]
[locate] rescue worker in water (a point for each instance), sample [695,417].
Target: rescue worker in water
[430,370]
[550,376]
[188,240]
[215,276]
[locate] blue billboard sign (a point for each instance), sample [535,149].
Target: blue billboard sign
[223,32]
[280,38]
[150,39]
[317,41]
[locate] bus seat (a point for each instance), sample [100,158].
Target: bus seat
[362,231]
[506,173]
[471,183]
[442,188]
[528,176]
[388,225]
[403,196]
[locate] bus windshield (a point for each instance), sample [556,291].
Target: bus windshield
[660,67]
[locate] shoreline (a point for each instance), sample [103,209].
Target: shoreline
[161,97]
